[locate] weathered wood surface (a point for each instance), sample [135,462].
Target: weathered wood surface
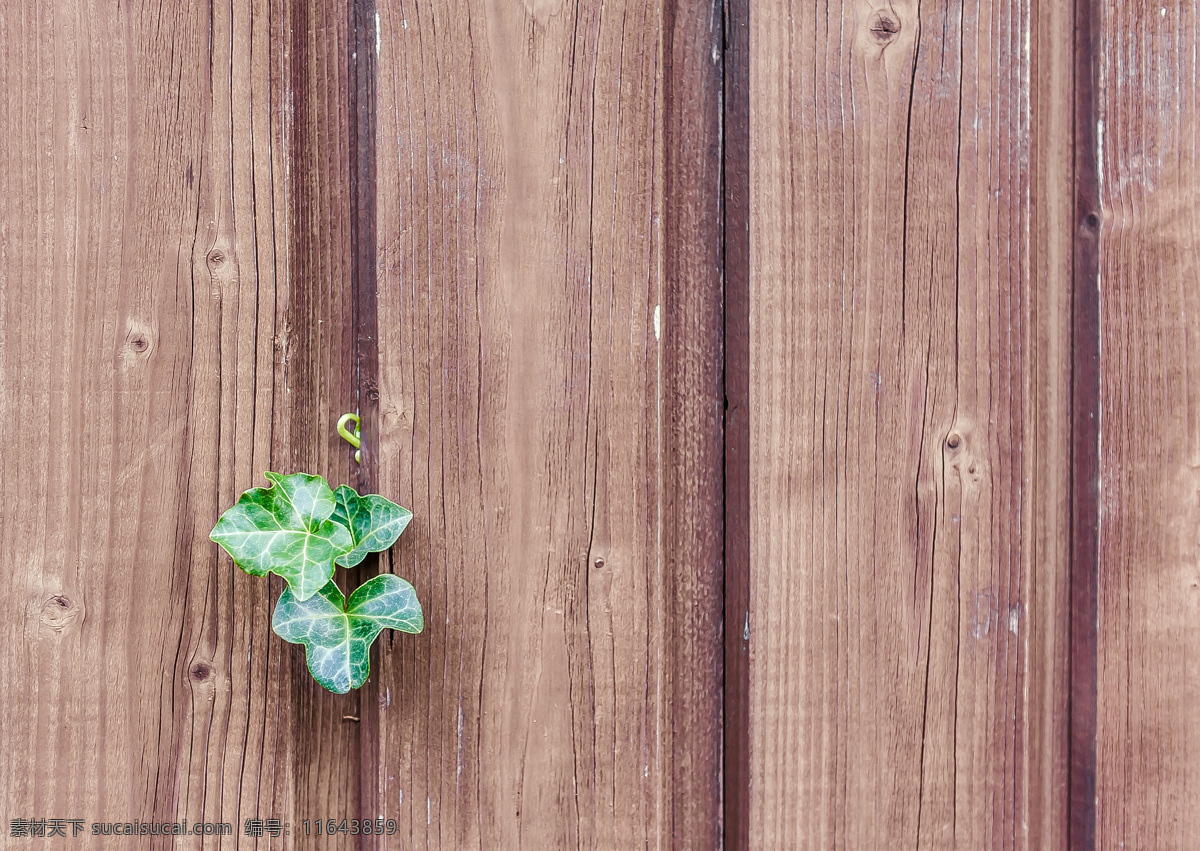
[736,739]
[320,373]
[140,307]
[550,407]
[183,308]
[1148,728]
[910,272]
[496,229]
[172,315]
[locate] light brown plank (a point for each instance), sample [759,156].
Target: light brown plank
[1148,736]
[1047,446]
[908,423]
[131,312]
[171,306]
[550,410]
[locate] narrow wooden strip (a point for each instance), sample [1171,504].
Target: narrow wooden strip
[1085,433]
[361,59]
[1048,423]
[320,362]
[736,244]
[693,529]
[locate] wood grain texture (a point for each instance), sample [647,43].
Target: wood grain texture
[1048,383]
[138,302]
[908,426]
[322,372]
[550,408]
[736,338]
[172,308]
[1085,430]
[1148,728]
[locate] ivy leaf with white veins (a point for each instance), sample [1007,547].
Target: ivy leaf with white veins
[337,635]
[374,522]
[286,529]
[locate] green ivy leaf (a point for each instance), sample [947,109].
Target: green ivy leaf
[285,529]
[374,522]
[337,636]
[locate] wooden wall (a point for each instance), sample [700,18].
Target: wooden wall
[226,225]
[794,400]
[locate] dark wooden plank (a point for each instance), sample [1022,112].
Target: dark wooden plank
[323,364]
[1085,431]
[907,375]
[550,409]
[361,109]
[1147,781]
[692,463]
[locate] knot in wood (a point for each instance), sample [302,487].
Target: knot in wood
[954,441]
[200,672]
[59,612]
[885,26]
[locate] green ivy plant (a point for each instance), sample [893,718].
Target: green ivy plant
[301,529]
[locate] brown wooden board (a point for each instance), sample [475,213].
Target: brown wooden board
[1085,431]
[736,333]
[909,363]
[322,369]
[1148,727]
[550,408]
[173,318]
[1048,378]
[142,305]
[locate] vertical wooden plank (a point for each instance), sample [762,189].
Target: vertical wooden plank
[907,355]
[693,410]
[176,319]
[361,113]
[141,312]
[1148,729]
[1049,424]
[736,334]
[324,375]
[550,408]
[1086,422]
